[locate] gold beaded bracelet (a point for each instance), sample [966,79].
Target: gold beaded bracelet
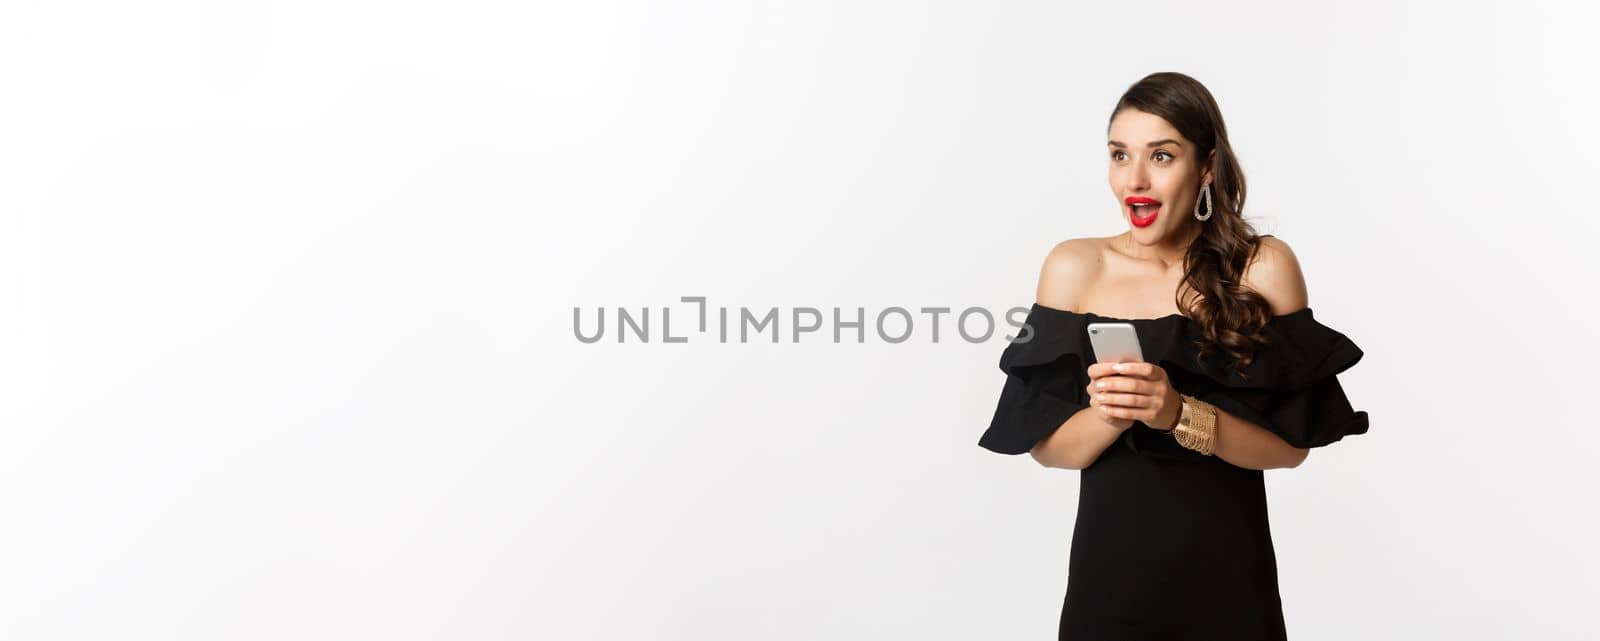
[1197,426]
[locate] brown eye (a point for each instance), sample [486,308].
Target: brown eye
[1163,153]
[1114,155]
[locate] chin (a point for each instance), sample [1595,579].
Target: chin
[1148,235]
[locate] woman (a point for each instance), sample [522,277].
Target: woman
[1172,540]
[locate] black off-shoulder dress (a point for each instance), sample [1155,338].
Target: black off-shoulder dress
[1170,544]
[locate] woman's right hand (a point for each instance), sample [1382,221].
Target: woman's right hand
[1096,372]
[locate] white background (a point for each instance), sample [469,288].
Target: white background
[288,296]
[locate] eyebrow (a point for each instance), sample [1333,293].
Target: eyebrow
[1163,141]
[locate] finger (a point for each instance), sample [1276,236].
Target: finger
[1138,369]
[1100,370]
[1120,383]
[1124,400]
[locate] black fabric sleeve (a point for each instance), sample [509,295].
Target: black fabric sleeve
[1293,389]
[1313,416]
[1034,402]
[1046,377]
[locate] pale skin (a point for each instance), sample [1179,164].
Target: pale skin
[1136,274]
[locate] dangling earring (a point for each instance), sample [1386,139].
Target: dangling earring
[1210,209]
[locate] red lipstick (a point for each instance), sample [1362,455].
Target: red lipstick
[1142,211]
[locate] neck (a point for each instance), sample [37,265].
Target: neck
[1166,254]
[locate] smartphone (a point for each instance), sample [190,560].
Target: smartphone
[1115,343]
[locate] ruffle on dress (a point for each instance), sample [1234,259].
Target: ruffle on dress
[1291,388]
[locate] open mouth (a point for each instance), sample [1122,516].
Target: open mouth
[1142,211]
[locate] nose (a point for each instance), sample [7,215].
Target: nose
[1135,178]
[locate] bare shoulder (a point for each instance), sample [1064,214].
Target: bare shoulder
[1068,271]
[1275,274]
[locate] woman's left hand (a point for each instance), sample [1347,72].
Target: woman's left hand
[1139,391]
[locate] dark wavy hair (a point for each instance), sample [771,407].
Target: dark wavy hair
[1229,314]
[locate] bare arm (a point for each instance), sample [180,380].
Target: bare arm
[1250,446]
[1081,440]
[1078,442]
